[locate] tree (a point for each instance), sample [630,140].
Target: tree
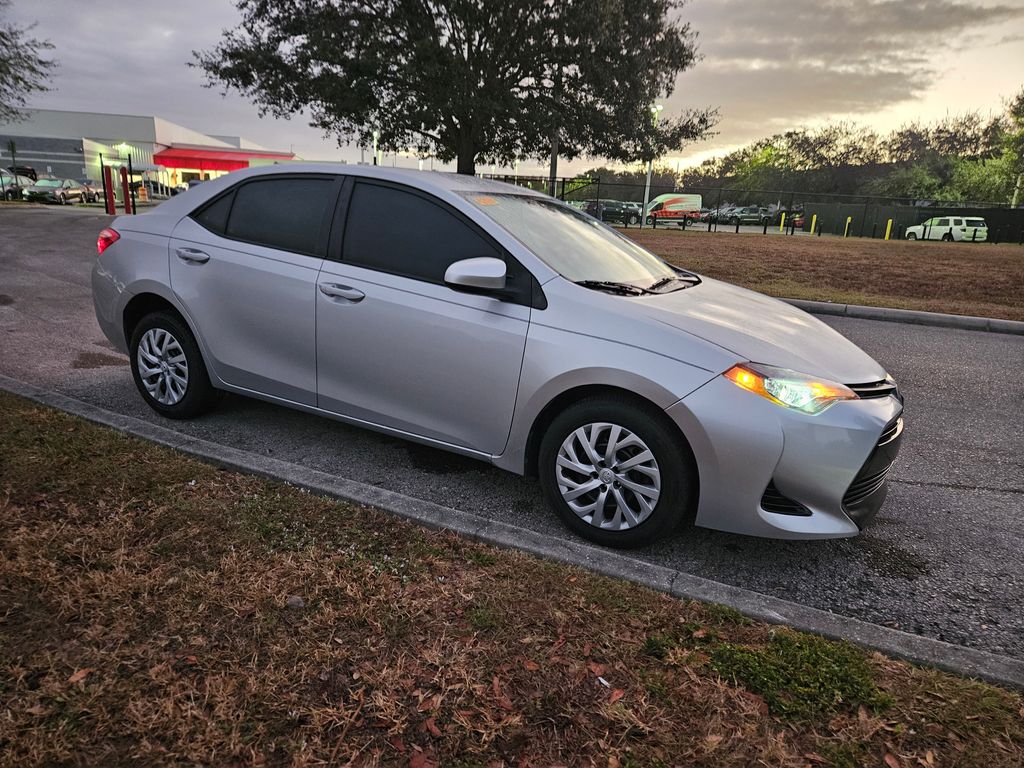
[467,80]
[22,69]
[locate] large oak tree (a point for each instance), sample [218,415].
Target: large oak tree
[23,67]
[468,80]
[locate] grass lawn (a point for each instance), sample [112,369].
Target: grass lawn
[959,278]
[156,610]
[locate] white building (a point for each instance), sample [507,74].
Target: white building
[72,144]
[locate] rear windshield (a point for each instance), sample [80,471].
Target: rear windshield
[48,183]
[975,222]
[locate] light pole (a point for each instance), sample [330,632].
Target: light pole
[655,111]
[376,135]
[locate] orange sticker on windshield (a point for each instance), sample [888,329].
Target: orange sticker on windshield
[484,200]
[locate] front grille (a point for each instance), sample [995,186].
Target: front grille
[882,388]
[773,500]
[863,487]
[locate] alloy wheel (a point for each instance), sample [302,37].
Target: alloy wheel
[608,476]
[162,366]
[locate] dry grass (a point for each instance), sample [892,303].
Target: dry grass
[144,620]
[959,278]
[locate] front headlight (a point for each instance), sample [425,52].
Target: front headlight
[792,389]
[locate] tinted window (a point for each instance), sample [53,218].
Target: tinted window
[215,215]
[281,213]
[942,223]
[406,234]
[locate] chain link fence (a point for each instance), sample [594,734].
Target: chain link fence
[771,211]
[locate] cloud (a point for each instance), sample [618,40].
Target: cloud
[770,66]
[775,66]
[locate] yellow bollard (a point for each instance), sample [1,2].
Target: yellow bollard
[814,222]
[888,229]
[846,230]
[782,222]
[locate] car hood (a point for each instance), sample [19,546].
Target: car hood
[762,330]
[37,188]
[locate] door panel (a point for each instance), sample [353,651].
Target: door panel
[418,356]
[254,308]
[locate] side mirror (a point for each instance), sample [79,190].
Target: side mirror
[482,274]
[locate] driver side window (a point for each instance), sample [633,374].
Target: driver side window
[404,233]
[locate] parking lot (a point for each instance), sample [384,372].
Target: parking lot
[943,559]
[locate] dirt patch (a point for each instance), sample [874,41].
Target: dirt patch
[155,610]
[5,300]
[959,278]
[97,360]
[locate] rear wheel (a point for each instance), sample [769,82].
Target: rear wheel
[168,368]
[615,472]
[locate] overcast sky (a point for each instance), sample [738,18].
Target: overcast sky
[767,66]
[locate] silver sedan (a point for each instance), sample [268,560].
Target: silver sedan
[500,324]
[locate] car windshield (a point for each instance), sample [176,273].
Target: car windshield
[575,245]
[48,183]
[975,222]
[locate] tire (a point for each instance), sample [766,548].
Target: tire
[668,478]
[734,221]
[947,238]
[634,220]
[159,342]
[911,236]
[650,221]
[62,199]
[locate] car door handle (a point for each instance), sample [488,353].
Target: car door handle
[193,255]
[337,291]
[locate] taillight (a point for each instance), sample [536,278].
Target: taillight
[106,239]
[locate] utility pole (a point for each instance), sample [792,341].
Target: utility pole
[553,171]
[655,111]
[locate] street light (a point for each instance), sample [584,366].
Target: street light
[376,135]
[655,112]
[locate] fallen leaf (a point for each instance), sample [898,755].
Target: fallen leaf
[892,761]
[699,633]
[532,666]
[80,675]
[432,727]
[617,694]
[586,652]
[713,740]
[597,669]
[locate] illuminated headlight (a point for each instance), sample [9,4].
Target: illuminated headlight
[791,389]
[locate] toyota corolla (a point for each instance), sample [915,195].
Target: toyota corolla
[500,324]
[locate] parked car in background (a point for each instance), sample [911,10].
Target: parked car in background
[950,228]
[24,170]
[612,211]
[93,190]
[719,215]
[11,185]
[505,326]
[750,214]
[61,191]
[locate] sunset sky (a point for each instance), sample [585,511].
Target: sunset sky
[768,67]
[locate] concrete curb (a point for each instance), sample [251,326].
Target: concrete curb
[1001,670]
[938,319]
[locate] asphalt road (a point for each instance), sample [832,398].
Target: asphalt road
[944,558]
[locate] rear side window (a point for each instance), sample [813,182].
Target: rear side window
[215,215]
[281,213]
[405,234]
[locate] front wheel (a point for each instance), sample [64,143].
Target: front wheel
[947,238]
[616,473]
[168,368]
[911,236]
[634,220]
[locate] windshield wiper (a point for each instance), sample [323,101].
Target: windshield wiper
[683,277]
[626,289]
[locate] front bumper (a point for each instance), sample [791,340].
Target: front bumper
[746,446]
